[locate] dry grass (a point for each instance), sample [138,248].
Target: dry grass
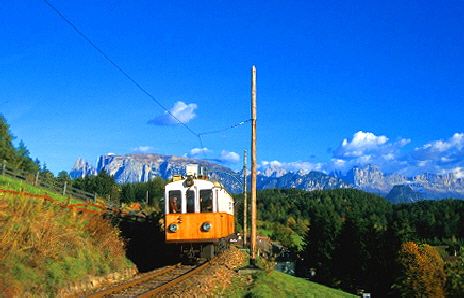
[44,247]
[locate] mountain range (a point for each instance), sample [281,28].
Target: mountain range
[369,178]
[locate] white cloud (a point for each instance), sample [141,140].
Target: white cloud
[229,157]
[142,149]
[458,172]
[274,163]
[441,149]
[198,152]
[367,148]
[182,111]
[226,157]
[388,156]
[359,144]
[439,156]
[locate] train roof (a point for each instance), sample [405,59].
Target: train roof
[180,178]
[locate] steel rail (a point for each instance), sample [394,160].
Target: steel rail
[131,283]
[177,280]
[157,290]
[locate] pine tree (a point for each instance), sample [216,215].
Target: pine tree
[7,151]
[24,162]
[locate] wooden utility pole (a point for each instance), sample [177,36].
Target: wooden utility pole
[245,213]
[253,164]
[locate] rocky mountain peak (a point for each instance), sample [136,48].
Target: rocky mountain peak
[369,178]
[82,168]
[273,170]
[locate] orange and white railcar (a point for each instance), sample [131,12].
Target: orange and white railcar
[199,214]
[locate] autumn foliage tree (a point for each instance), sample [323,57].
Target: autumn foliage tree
[422,271]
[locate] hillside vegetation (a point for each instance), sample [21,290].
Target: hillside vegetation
[277,284]
[10,184]
[353,239]
[283,285]
[46,248]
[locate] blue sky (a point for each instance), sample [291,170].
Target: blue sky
[339,83]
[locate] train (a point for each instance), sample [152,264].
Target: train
[199,215]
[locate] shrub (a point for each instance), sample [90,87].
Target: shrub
[45,247]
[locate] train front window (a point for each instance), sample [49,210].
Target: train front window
[190,201]
[174,201]
[206,200]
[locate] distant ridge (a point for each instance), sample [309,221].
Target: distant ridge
[369,178]
[137,167]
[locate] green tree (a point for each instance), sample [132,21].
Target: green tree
[63,177]
[45,173]
[351,255]
[155,188]
[24,162]
[16,158]
[301,227]
[7,150]
[128,193]
[321,242]
[104,183]
[283,235]
[455,276]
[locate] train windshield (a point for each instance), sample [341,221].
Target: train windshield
[174,201]
[190,201]
[206,200]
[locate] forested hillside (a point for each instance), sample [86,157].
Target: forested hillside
[353,239]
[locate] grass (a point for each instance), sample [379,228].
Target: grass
[44,247]
[277,284]
[7,183]
[270,283]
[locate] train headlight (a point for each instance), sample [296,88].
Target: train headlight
[173,228]
[206,226]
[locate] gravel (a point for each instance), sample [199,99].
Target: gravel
[212,279]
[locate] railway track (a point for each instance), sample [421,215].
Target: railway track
[153,283]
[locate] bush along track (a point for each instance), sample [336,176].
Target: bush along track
[46,249]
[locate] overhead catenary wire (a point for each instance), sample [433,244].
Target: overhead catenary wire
[225,129]
[116,65]
[93,45]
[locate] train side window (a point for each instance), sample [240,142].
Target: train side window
[206,200]
[174,201]
[190,201]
